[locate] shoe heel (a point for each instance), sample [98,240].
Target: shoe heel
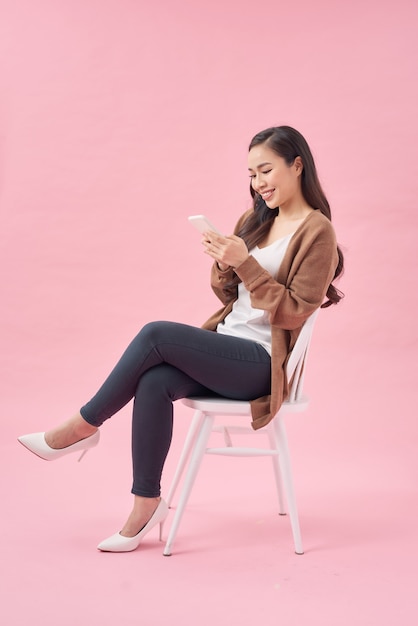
[83,454]
[160,535]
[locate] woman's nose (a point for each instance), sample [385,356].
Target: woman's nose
[258,183]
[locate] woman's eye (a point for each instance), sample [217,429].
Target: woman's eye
[265,172]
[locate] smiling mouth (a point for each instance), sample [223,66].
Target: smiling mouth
[267,194]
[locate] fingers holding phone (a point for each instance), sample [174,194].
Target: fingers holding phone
[228,251]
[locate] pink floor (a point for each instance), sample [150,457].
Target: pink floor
[233,561]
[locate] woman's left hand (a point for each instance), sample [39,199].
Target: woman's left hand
[227,251]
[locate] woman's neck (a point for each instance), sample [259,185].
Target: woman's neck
[294,212]
[296,208]
[286,223]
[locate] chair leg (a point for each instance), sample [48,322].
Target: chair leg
[185,453]
[195,461]
[286,473]
[277,473]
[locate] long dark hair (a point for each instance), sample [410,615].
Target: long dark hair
[288,143]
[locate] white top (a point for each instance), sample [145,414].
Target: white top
[244,321]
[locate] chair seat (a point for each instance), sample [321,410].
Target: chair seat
[218,406]
[225,406]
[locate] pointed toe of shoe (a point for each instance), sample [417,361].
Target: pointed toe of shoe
[35,442]
[118,543]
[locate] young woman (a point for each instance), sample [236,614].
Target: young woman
[270,275]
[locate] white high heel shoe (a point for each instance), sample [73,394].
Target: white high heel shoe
[36,443]
[119,543]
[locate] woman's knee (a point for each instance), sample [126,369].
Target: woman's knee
[152,382]
[153,332]
[166,382]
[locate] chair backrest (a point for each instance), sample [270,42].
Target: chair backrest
[295,369]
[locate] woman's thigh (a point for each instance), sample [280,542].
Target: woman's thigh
[228,366]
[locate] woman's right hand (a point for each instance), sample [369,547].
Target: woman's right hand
[226,251]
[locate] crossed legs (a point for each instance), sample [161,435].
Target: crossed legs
[166,361]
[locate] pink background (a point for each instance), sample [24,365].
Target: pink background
[117,120]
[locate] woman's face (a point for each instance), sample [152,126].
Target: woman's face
[271,177]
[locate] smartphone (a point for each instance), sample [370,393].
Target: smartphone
[202,224]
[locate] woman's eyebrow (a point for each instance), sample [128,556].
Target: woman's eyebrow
[261,165]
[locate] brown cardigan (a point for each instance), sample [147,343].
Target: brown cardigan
[290,297]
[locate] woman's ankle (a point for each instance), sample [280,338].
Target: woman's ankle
[69,432]
[82,428]
[143,510]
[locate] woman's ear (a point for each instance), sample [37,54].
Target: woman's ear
[298,165]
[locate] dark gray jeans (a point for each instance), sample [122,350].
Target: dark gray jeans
[165,362]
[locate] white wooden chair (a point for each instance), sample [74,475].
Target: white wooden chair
[203,424]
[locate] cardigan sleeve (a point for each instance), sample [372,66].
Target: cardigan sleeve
[303,279]
[219,281]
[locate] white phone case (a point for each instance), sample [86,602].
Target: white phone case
[202,224]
